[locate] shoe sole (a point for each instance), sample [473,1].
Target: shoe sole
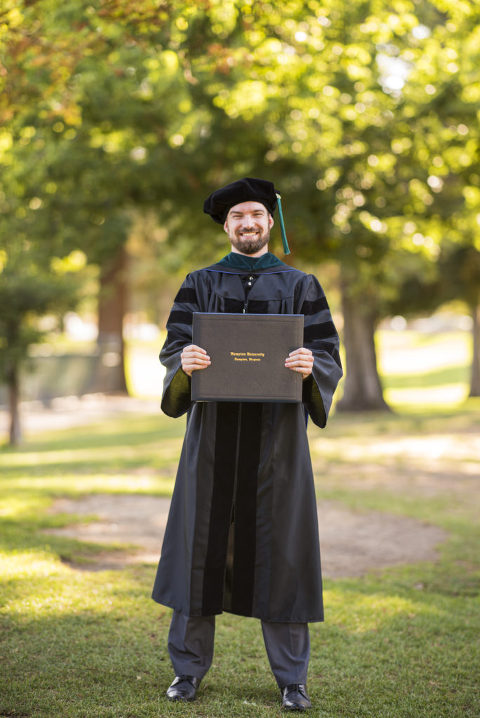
[298,709]
[181,699]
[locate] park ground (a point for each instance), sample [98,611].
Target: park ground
[81,638]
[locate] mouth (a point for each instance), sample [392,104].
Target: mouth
[249,235]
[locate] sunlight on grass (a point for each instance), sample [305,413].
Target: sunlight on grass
[22,564]
[69,484]
[410,352]
[432,447]
[439,396]
[374,610]
[71,455]
[60,589]
[25,503]
[424,370]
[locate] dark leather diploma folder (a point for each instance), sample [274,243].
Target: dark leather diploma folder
[248,353]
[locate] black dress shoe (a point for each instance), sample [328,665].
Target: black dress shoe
[295,697]
[183,688]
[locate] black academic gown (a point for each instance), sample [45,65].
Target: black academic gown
[242,532]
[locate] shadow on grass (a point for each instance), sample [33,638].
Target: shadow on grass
[93,440]
[399,421]
[107,465]
[373,658]
[28,538]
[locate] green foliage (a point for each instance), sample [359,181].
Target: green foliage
[32,284]
[363,113]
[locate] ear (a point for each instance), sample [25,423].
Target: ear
[225,226]
[271,221]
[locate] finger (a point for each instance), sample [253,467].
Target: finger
[200,358]
[194,348]
[196,361]
[301,350]
[191,366]
[305,371]
[299,361]
[190,370]
[193,352]
[303,366]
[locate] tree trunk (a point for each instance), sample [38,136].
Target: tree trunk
[362,387]
[112,306]
[475,374]
[13,386]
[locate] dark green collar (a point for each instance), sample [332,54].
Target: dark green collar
[241,261]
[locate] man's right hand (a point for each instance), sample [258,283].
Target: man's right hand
[194,358]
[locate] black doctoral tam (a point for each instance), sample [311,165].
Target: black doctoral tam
[248,189]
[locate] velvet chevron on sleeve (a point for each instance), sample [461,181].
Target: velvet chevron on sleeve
[176,388]
[320,336]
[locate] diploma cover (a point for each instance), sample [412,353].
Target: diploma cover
[248,353]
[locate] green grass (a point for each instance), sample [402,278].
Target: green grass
[402,643]
[87,643]
[424,369]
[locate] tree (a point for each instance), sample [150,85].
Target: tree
[121,110]
[460,276]
[442,104]
[86,139]
[31,285]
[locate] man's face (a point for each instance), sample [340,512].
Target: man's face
[248,227]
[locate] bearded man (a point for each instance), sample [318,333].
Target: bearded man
[242,532]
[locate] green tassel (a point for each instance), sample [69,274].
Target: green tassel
[286,249]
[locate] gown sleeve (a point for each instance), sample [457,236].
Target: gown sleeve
[321,337]
[176,385]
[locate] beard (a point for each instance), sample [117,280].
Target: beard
[252,245]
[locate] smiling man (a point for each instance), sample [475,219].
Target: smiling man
[248,227]
[242,532]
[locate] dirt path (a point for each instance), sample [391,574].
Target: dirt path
[352,543]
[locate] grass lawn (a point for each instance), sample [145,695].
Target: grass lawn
[403,643]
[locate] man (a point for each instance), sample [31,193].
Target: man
[242,532]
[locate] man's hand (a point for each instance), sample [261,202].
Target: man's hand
[194,358]
[300,360]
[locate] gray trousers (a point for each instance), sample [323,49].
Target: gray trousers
[191,641]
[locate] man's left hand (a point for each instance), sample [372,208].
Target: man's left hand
[300,360]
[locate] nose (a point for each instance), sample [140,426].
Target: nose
[249,220]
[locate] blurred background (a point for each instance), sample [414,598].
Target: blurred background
[118,118]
